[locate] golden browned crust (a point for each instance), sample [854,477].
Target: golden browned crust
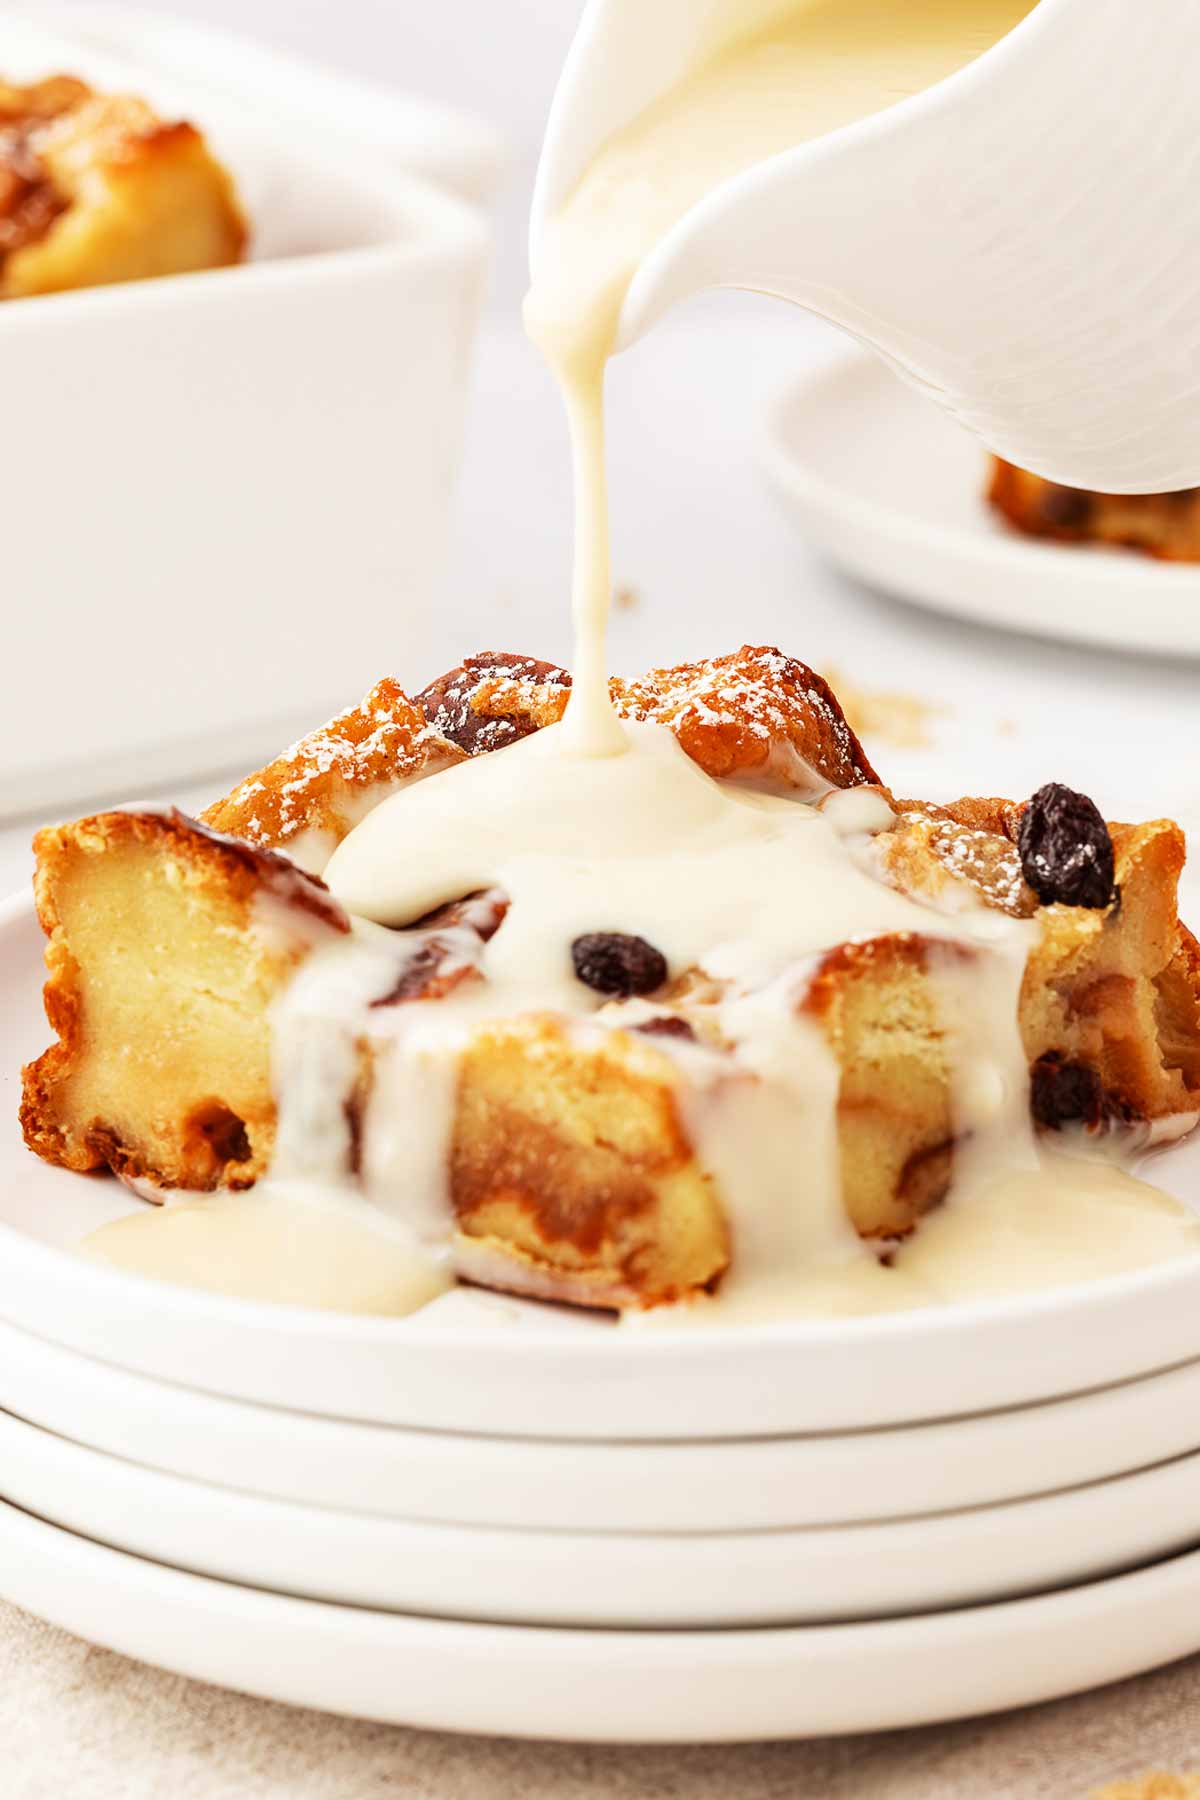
[755,715]
[322,786]
[1166,526]
[96,189]
[167,944]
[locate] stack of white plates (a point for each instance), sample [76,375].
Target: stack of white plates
[500,1517]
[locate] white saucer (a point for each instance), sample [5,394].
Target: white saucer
[605,1686]
[597,1579]
[734,1484]
[892,491]
[471,1362]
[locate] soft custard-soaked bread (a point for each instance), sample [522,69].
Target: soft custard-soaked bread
[1163,525]
[878,1008]
[167,946]
[572,1175]
[97,189]
[576,1161]
[1110,1001]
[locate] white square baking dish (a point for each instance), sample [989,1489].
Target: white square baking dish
[226,495]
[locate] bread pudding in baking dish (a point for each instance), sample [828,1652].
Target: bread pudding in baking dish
[96,188]
[818,990]
[1166,526]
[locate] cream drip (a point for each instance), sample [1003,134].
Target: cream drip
[738,883]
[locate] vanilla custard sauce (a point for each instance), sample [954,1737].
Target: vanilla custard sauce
[599,825]
[293,1249]
[819,66]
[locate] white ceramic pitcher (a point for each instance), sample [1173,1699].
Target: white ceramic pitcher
[1022,240]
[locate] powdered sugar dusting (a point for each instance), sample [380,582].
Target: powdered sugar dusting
[987,862]
[322,784]
[734,714]
[756,715]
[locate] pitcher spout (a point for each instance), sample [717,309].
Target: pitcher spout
[1017,238]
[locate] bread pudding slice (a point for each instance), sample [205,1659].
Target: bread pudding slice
[576,1164]
[96,189]
[1166,526]
[167,946]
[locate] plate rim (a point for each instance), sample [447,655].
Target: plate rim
[144,1610]
[798,483]
[843,1572]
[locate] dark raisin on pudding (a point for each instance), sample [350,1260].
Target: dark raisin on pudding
[617,964]
[1066,850]
[449,702]
[1065,1093]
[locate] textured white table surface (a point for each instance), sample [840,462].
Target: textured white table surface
[83,1724]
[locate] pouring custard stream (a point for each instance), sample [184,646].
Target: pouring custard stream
[822,65]
[594,824]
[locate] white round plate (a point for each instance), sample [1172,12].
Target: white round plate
[604,1686]
[892,491]
[472,1362]
[734,1484]
[606,1579]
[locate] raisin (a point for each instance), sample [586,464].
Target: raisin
[668,1025]
[1062,1092]
[614,963]
[447,705]
[1066,851]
